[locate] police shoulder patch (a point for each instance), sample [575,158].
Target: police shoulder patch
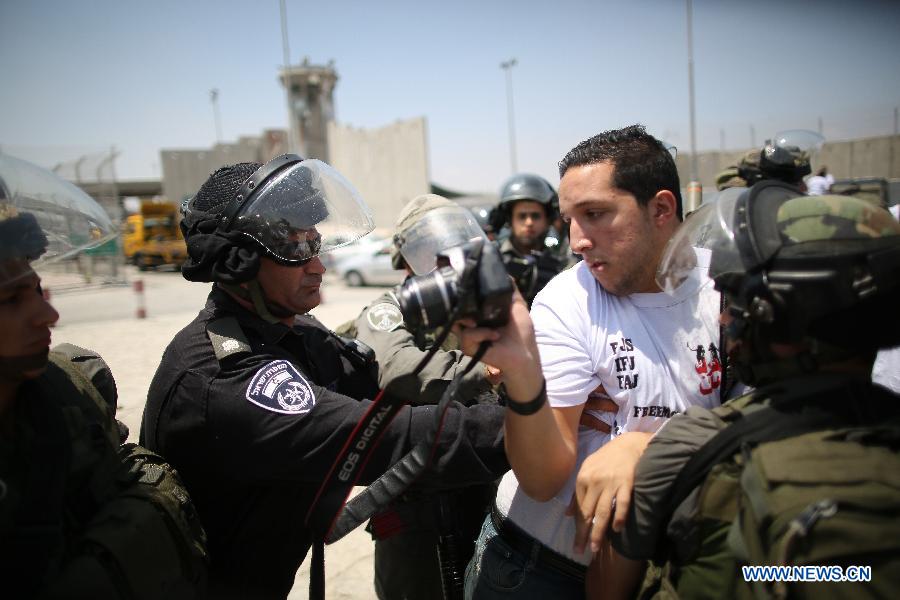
[384,316]
[281,388]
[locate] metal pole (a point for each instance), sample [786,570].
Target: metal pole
[286,57]
[890,172]
[695,190]
[214,98]
[752,137]
[507,66]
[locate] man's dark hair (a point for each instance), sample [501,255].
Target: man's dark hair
[641,164]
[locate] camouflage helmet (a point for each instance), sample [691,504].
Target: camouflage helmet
[44,218]
[795,269]
[428,225]
[745,173]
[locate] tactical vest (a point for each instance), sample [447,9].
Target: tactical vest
[82,516]
[531,273]
[791,480]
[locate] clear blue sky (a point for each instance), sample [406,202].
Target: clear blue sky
[83,76]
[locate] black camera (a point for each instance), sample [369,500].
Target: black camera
[474,285]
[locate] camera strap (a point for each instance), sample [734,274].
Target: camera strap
[330,517]
[393,482]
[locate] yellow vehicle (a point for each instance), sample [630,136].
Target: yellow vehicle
[152,237]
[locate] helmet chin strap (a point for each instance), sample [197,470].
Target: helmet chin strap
[268,310]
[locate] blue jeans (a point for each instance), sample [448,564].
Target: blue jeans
[497,571]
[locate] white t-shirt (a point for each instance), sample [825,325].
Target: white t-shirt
[655,354]
[886,370]
[818,184]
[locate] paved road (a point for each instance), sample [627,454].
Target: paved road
[103,319]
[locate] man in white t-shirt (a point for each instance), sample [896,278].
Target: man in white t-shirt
[605,327]
[819,183]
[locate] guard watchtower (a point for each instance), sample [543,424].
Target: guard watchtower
[311,104]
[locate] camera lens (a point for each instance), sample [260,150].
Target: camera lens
[427,300]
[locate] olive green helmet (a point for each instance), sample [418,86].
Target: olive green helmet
[428,225]
[795,269]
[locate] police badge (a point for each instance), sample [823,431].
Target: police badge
[281,388]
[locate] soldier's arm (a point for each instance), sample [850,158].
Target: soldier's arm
[662,460]
[382,328]
[253,436]
[95,369]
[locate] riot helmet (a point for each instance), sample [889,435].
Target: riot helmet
[43,219]
[820,272]
[289,210]
[525,186]
[789,155]
[427,226]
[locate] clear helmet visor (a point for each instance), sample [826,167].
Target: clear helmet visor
[744,229]
[794,147]
[709,229]
[44,218]
[436,231]
[303,211]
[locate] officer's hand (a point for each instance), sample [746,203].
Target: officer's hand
[598,400]
[513,350]
[603,488]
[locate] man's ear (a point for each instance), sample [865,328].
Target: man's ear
[663,207]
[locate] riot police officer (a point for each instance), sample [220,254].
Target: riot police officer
[81,514]
[528,206]
[253,400]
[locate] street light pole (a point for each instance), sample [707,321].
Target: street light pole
[214,98]
[507,66]
[286,56]
[695,191]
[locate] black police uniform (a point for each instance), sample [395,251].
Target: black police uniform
[253,414]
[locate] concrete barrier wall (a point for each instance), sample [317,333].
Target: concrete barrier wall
[185,170]
[388,165]
[865,157]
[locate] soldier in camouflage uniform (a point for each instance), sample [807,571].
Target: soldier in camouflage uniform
[82,515]
[802,470]
[528,206]
[787,157]
[406,535]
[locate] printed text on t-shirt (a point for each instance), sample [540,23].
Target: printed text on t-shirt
[628,379]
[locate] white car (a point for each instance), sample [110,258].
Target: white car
[332,257]
[369,265]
